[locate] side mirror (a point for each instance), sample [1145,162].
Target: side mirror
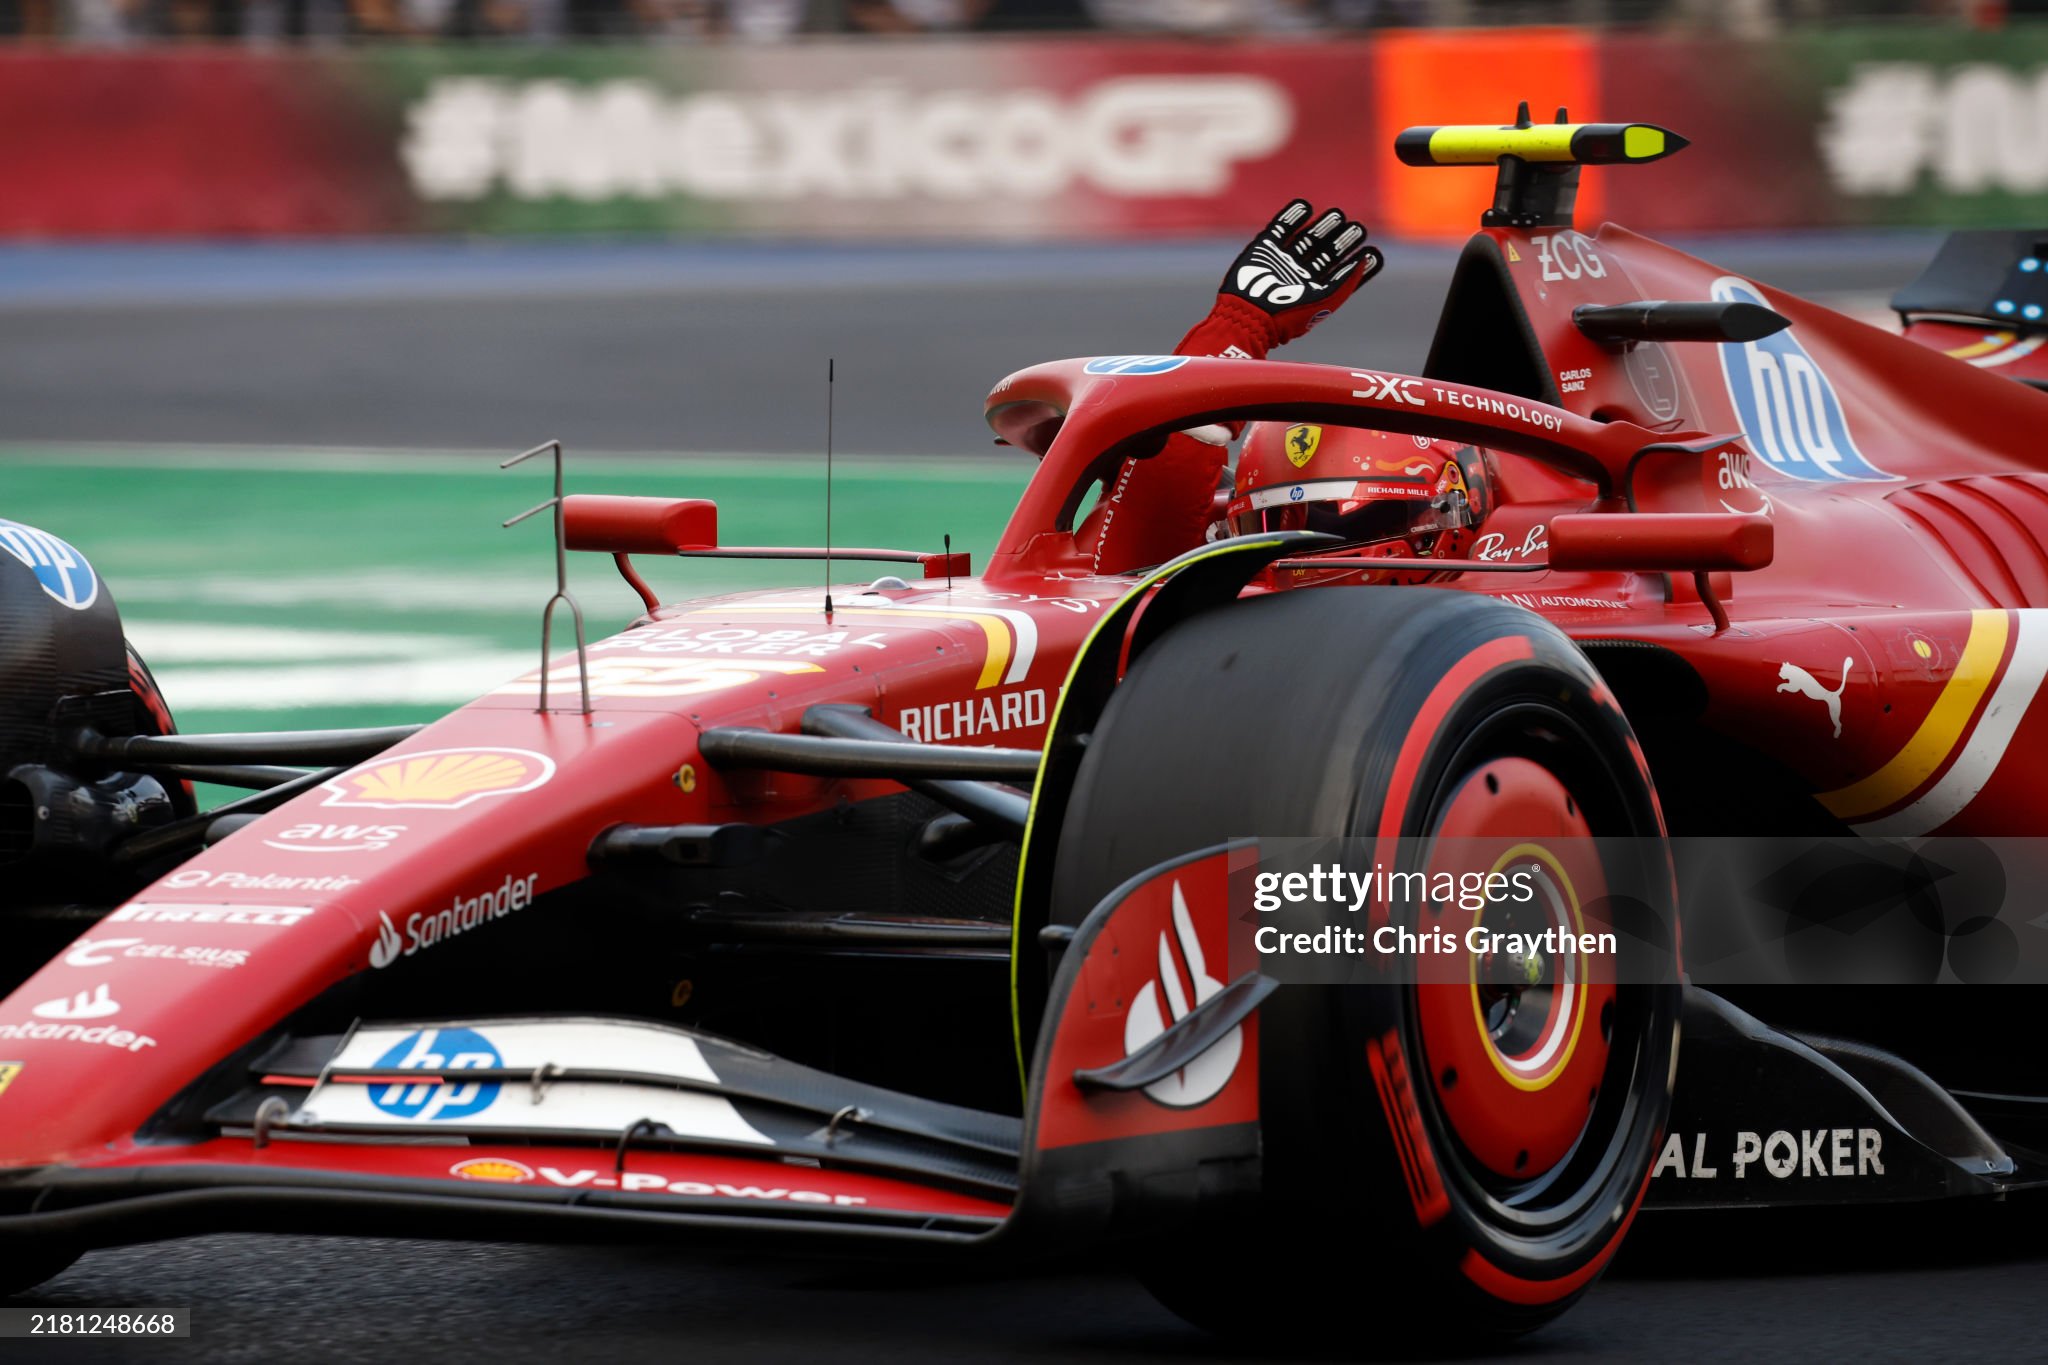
[639,526]
[1666,542]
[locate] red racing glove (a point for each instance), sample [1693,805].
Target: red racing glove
[1285,281]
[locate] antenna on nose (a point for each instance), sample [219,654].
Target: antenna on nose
[829,366]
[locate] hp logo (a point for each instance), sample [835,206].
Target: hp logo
[447,1049]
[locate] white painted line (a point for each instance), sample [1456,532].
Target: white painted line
[185,642]
[446,681]
[674,468]
[519,592]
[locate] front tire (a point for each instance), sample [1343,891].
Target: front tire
[1476,1177]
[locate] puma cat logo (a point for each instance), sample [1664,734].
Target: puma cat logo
[1797,679]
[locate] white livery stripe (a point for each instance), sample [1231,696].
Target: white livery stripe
[1022,623]
[1985,746]
[2007,354]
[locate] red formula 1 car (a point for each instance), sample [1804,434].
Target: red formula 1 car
[902,920]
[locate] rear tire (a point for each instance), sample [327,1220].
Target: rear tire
[1363,712]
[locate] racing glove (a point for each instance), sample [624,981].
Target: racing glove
[1286,280]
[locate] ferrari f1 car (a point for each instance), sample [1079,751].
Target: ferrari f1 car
[901,919]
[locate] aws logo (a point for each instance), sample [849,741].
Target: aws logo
[322,838]
[439,779]
[1786,404]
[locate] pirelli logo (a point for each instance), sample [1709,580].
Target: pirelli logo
[1404,1121]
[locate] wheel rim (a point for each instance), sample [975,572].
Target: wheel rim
[1580,1129]
[1517,1052]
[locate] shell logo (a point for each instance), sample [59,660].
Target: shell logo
[440,779]
[492,1168]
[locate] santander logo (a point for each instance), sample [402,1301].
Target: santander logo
[389,947]
[1183,983]
[93,1004]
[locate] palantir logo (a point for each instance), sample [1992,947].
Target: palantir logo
[61,570]
[1204,1078]
[1134,364]
[1786,404]
[447,1049]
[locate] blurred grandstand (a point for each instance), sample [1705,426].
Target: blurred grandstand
[240,247]
[130,21]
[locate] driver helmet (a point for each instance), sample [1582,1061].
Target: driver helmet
[1384,495]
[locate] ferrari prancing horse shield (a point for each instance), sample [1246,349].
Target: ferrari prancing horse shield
[1301,443]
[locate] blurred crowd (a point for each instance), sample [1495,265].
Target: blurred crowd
[120,21]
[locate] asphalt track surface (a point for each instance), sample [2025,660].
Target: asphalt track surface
[653,349]
[1949,1283]
[647,348]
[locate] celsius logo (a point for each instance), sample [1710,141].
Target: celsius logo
[1134,364]
[1204,1078]
[98,952]
[447,1049]
[61,570]
[1786,405]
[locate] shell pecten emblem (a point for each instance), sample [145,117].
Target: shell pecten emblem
[439,779]
[492,1168]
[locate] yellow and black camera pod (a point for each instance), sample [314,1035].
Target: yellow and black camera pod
[1539,164]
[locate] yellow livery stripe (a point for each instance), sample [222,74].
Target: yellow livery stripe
[994,627]
[1992,341]
[1940,732]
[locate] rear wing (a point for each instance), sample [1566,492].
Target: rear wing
[1993,275]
